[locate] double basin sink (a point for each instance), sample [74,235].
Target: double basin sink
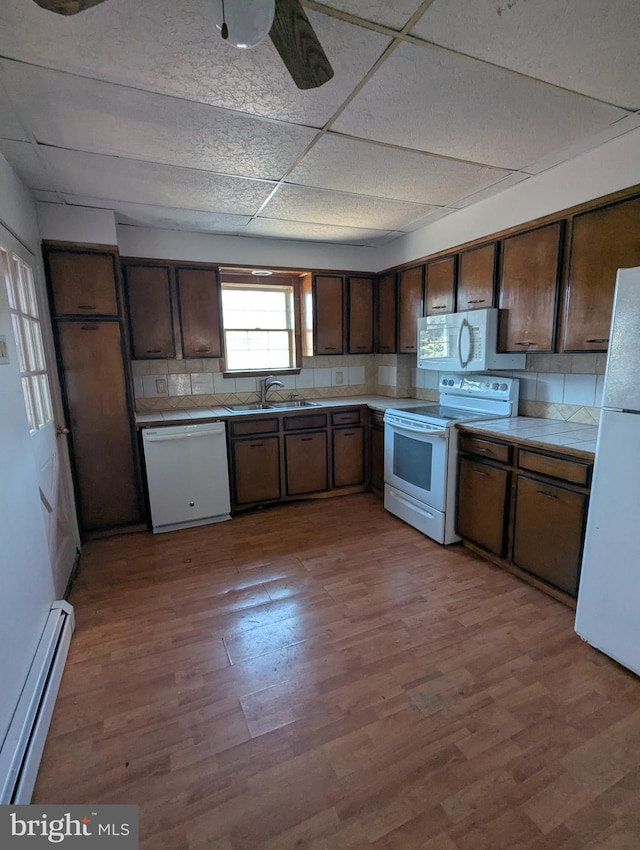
[271,405]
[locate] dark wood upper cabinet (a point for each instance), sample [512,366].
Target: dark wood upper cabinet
[603,241]
[360,315]
[476,277]
[82,282]
[440,286]
[410,300]
[199,309]
[386,314]
[150,311]
[328,309]
[528,289]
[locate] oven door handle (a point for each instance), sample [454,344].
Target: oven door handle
[437,432]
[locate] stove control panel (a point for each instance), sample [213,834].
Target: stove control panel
[478,386]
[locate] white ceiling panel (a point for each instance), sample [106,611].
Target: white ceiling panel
[351,165]
[587,46]
[24,160]
[174,48]
[10,125]
[301,203]
[116,178]
[308,231]
[390,13]
[74,112]
[432,100]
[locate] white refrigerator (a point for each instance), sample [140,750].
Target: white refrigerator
[608,611]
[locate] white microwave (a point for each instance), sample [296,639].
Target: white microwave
[463,342]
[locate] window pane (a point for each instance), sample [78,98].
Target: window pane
[26,390]
[45,399]
[5,272]
[258,322]
[20,343]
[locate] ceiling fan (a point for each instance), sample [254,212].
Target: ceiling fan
[289,30]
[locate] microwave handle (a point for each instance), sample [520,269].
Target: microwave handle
[464,324]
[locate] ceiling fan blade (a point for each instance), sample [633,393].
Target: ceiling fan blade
[296,42]
[67,7]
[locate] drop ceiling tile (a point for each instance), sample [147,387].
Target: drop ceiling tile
[10,124]
[390,13]
[351,165]
[74,112]
[46,197]
[174,48]
[429,218]
[116,178]
[584,45]
[312,232]
[300,203]
[26,163]
[432,100]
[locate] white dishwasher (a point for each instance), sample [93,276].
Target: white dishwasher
[187,475]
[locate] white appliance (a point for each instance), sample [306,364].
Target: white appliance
[463,342]
[608,612]
[421,446]
[187,475]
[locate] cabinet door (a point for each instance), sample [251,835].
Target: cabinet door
[328,314]
[529,289]
[386,315]
[476,277]
[256,470]
[150,313]
[602,242]
[306,462]
[348,456]
[360,312]
[410,299]
[82,284]
[482,504]
[95,391]
[376,458]
[548,532]
[440,286]
[198,300]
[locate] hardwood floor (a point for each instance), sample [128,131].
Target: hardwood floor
[320,675]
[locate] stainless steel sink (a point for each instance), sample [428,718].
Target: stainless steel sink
[253,405]
[285,405]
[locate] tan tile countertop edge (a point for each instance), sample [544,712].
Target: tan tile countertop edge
[571,438]
[206,414]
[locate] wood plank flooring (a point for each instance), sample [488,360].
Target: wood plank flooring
[320,675]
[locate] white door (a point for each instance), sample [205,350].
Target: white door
[32,332]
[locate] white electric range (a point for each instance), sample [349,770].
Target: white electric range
[421,447]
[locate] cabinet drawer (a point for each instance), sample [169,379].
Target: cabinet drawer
[346,417]
[254,426]
[304,422]
[556,467]
[485,448]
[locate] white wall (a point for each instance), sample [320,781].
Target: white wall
[613,166]
[62,223]
[26,584]
[242,250]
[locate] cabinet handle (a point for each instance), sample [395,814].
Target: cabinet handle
[329,348]
[527,342]
[598,340]
[202,350]
[348,433]
[477,472]
[87,307]
[410,347]
[89,327]
[547,495]
[361,347]
[476,301]
[154,351]
[439,307]
[483,450]
[306,439]
[256,445]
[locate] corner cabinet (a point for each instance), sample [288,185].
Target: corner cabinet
[90,336]
[525,509]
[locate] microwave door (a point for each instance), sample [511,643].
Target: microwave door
[439,342]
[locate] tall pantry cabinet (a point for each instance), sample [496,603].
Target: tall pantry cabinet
[86,303]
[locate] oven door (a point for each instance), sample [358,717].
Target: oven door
[415,462]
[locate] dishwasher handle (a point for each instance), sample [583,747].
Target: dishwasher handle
[159,437]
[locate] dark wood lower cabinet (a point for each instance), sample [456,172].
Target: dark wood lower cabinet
[376,452]
[482,504]
[102,441]
[548,531]
[348,456]
[306,463]
[256,470]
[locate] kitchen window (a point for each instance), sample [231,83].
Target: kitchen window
[260,327]
[23,307]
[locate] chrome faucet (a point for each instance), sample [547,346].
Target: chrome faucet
[265,386]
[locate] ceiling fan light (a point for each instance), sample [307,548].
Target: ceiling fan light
[248,21]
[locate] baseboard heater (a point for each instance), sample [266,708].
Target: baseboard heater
[22,748]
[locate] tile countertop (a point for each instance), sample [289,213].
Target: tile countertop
[571,437]
[203,414]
